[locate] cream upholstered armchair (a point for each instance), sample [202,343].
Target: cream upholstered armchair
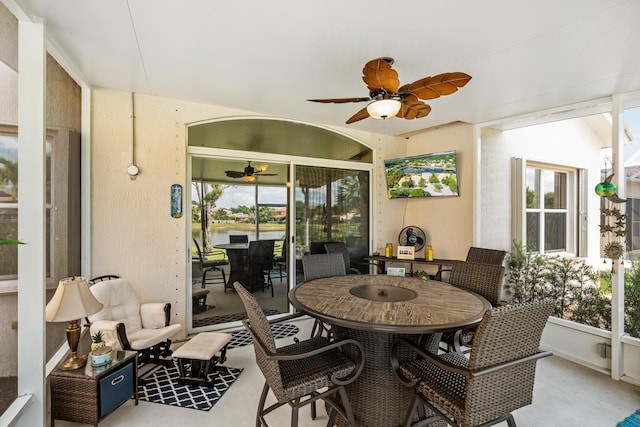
[128,324]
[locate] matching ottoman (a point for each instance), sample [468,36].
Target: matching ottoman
[201,353]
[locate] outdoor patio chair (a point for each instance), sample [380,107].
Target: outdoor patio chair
[258,265]
[280,261]
[317,266]
[238,238]
[341,248]
[303,372]
[128,324]
[495,380]
[212,265]
[486,256]
[483,279]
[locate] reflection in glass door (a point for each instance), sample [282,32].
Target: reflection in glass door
[332,205]
[226,206]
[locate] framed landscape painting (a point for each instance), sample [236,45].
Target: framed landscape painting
[427,175]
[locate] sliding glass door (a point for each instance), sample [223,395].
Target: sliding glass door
[331,205]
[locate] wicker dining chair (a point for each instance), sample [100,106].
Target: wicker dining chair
[341,248]
[486,256]
[484,279]
[303,372]
[317,266]
[495,380]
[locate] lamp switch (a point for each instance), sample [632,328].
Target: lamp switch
[14,324]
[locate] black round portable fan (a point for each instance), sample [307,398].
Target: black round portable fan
[412,236]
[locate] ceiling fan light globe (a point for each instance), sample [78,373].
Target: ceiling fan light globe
[384,108]
[261,167]
[249,178]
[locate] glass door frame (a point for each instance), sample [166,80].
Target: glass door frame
[292,161]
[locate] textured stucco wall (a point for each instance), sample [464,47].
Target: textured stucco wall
[572,143]
[133,233]
[447,221]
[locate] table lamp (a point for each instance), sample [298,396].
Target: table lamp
[72,301]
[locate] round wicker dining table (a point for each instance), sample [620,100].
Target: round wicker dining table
[374,309]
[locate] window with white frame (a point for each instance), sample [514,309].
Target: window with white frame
[551,213]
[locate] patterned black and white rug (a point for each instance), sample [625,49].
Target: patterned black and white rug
[226,318]
[280,330]
[162,387]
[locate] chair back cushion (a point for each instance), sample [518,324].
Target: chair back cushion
[120,303]
[483,279]
[508,333]
[317,266]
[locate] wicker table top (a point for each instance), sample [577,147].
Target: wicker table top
[432,306]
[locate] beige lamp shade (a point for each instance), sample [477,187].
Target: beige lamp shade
[72,300]
[384,108]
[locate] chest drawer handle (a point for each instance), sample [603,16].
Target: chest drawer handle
[117,380]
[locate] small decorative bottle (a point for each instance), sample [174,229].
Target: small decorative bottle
[388,250]
[428,253]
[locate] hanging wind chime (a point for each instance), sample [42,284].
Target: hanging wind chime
[614,223]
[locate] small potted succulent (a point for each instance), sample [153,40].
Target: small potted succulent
[97,340]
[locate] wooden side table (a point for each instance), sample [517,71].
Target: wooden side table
[89,394]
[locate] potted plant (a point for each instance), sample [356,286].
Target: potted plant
[97,340]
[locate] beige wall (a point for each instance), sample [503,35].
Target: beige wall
[134,235]
[447,221]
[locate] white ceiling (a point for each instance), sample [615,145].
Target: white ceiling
[268,57]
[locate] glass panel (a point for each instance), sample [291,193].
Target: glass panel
[225,210]
[9,202]
[555,231]
[332,205]
[533,231]
[533,188]
[554,187]
[8,253]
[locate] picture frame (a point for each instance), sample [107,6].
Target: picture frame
[406,252]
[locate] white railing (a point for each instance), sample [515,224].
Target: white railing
[13,413]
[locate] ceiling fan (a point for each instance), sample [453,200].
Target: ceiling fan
[387,98]
[250,173]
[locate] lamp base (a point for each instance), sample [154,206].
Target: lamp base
[73,362]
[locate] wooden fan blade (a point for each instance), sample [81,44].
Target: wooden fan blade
[362,114]
[413,108]
[339,100]
[437,86]
[234,174]
[378,74]
[265,174]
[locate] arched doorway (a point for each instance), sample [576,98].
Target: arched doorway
[270,180]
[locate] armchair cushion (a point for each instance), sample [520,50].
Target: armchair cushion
[145,338]
[153,315]
[144,324]
[120,303]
